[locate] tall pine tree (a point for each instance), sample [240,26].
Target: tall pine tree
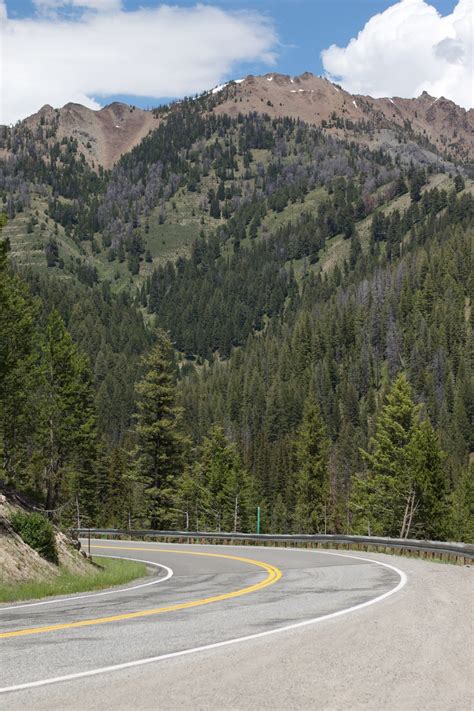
[404,488]
[160,449]
[18,373]
[312,513]
[67,433]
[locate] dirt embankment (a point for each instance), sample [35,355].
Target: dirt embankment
[20,563]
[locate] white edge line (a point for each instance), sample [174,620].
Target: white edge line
[169,574]
[226,643]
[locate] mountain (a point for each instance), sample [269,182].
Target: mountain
[437,123]
[98,191]
[309,255]
[102,136]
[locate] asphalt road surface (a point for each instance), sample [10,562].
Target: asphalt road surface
[239,627]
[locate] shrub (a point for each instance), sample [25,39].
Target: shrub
[37,532]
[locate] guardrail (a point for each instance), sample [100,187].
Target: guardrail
[462,553]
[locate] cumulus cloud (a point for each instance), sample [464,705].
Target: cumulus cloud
[104,50]
[407,49]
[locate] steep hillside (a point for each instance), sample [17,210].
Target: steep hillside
[102,136]
[435,123]
[200,170]
[304,270]
[21,563]
[110,194]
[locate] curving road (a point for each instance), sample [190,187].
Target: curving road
[216,627]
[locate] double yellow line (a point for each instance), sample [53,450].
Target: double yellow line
[273,575]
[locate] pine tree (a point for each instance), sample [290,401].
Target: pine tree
[67,431]
[404,489]
[214,208]
[118,507]
[458,183]
[461,514]
[279,520]
[377,497]
[302,346]
[355,250]
[160,443]
[312,513]
[430,485]
[378,227]
[417,181]
[18,373]
[186,499]
[222,485]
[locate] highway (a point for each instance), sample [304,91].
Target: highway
[242,627]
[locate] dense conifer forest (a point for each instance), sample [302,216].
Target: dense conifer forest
[309,351]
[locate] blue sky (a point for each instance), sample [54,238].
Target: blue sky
[305,27]
[297,31]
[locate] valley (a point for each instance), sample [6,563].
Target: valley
[289,256]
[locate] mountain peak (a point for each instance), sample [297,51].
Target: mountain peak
[102,135]
[47,108]
[318,101]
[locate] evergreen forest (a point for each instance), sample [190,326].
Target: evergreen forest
[243,312]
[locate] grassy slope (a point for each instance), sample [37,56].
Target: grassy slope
[28,248]
[111,572]
[185,218]
[336,249]
[174,238]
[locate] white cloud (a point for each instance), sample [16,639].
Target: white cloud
[163,51]
[48,7]
[407,49]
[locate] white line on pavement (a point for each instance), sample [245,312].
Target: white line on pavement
[226,643]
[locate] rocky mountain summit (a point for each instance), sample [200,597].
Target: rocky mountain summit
[102,136]
[436,124]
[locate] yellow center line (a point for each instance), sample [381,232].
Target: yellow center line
[274,574]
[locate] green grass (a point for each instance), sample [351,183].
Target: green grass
[185,218]
[172,240]
[111,572]
[337,248]
[293,210]
[28,248]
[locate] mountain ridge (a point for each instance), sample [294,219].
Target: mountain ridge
[305,273]
[104,135]
[316,100]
